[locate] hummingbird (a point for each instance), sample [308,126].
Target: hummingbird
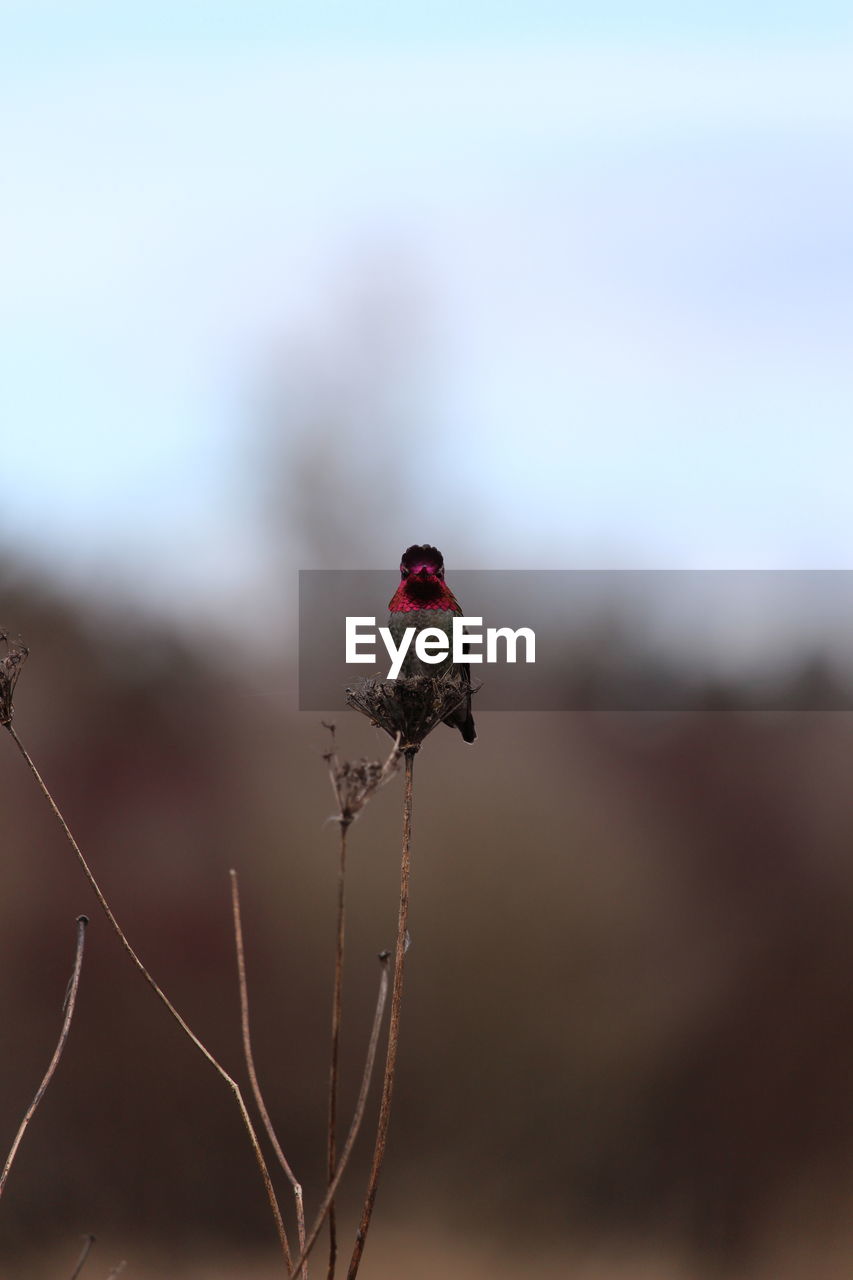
[423,599]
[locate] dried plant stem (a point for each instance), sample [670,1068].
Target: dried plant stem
[250,1066]
[358,1114]
[394,1029]
[81,1261]
[337,1001]
[68,1008]
[164,999]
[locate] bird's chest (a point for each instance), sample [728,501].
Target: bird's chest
[420,619]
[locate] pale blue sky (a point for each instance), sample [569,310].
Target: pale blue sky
[95,24]
[630,229]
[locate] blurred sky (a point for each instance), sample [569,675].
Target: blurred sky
[629,230]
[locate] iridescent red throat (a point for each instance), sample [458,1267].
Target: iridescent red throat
[430,592]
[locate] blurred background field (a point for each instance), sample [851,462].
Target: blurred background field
[555,289]
[630,966]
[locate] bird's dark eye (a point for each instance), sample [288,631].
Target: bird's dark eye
[441,573]
[404,571]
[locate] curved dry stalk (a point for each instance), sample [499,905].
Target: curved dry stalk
[164,999]
[89,1240]
[394,1029]
[68,1009]
[337,1002]
[358,1115]
[250,1064]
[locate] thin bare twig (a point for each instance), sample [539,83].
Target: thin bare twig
[337,1002]
[394,1029]
[353,782]
[164,999]
[358,1115]
[88,1241]
[68,1009]
[250,1065]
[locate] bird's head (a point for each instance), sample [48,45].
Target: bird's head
[421,564]
[422,584]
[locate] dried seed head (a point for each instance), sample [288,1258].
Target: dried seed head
[409,709]
[355,781]
[13,655]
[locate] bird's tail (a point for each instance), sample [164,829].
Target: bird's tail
[469,733]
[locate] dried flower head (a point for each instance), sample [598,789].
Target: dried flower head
[409,709]
[355,781]
[13,655]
